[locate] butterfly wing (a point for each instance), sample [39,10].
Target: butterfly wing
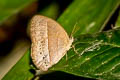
[39,47]
[49,39]
[58,41]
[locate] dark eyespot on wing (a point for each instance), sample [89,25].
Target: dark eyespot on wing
[40,52]
[43,57]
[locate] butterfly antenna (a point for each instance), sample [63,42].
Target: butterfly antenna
[74,30]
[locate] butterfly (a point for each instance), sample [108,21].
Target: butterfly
[50,42]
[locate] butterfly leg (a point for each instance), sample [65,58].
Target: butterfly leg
[66,56]
[73,46]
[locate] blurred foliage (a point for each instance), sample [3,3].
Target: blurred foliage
[9,8]
[51,11]
[118,19]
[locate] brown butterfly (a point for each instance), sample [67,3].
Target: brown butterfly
[50,42]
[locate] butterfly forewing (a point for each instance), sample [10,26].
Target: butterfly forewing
[50,42]
[39,48]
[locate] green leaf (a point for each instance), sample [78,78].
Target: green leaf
[22,69]
[118,20]
[98,56]
[90,15]
[10,7]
